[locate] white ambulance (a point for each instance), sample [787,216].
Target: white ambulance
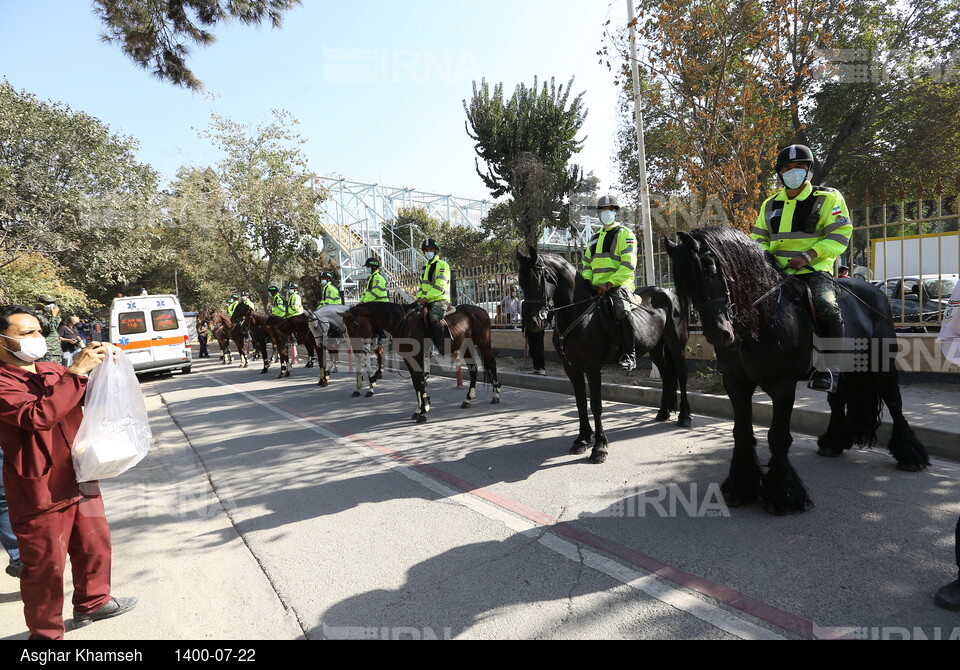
[153,332]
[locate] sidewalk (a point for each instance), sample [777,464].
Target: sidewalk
[192,573]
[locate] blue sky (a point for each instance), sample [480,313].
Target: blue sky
[378,87]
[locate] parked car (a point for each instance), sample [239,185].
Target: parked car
[920,299]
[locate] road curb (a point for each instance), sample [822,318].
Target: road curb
[941,443]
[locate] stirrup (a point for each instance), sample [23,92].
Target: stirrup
[628,362]
[823,380]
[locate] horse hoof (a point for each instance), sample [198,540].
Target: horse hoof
[735,501]
[416,416]
[685,422]
[598,457]
[370,394]
[422,418]
[465,405]
[663,416]
[356,394]
[323,383]
[829,452]
[264,371]
[579,448]
[495,401]
[910,467]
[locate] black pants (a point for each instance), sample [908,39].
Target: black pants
[956,547]
[535,345]
[202,339]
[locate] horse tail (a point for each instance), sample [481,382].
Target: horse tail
[864,406]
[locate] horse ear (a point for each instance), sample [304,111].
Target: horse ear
[688,239]
[520,256]
[670,244]
[533,253]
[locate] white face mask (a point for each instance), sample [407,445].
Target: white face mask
[607,217]
[31,348]
[794,179]
[323,282]
[430,255]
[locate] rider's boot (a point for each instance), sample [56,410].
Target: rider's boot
[628,356]
[827,372]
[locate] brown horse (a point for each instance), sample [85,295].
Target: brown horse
[261,332]
[364,338]
[466,332]
[225,330]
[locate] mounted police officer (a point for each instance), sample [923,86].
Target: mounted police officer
[232,303]
[807,228]
[278,306]
[434,291]
[376,288]
[294,301]
[609,264]
[329,295]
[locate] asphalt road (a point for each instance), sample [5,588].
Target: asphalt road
[273,509]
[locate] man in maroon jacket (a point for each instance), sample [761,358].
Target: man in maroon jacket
[51,514]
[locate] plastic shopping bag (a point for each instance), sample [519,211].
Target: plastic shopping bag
[114,434]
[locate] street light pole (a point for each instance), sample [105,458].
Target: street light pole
[651,278]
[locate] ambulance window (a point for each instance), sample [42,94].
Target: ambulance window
[132,323]
[164,319]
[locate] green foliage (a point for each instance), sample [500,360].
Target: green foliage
[526,143]
[258,201]
[155,33]
[72,192]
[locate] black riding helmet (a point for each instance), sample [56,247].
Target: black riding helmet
[373,263]
[429,243]
[326,274]
[795,153]
[273,289]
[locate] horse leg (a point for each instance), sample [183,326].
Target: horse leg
[906,448]
[472,391]
[668,394]
[311,353]
[838,437]
[585,437]
[423,400]
[677,369]
[284,361]
[782,489]
[742,485]
[599,454]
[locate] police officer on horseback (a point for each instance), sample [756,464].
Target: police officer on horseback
[434,291]
[609,265]
[376,288]
[294,301]
[807,228]
[278,306]
[329,295]
[232,303]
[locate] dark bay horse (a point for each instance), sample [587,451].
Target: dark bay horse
[467,332]
[256,323]
[224,330]
[583,337]
[760,322]
[362,325]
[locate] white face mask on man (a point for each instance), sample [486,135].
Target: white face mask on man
[608,217]
[795,178]
[430,255]
[31,348]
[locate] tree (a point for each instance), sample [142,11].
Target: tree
[526,143]
[272,215]
[72,192]
[870,85]
[155,33]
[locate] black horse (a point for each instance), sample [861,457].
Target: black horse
[760,322]
[584,336]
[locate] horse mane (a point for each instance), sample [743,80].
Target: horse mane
[750,270]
